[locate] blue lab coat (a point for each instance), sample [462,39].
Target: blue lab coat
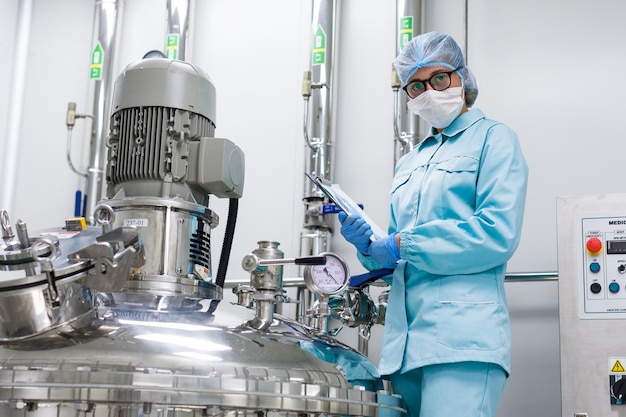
[457,201]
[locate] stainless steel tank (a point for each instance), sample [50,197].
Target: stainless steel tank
[185,362]
[138,353]
[127,319]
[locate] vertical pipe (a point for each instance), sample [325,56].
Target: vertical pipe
[319,124]
[321,129]
[16,104]
[178,42]
[106,21]
[409,23]
[318,92]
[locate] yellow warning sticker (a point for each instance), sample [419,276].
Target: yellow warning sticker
[616,367]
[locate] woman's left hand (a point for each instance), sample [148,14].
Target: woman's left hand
[385,251]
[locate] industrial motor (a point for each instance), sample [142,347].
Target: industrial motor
[163,163]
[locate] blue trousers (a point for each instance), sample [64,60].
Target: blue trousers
[468,389]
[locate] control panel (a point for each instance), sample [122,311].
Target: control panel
[602,285]
[592,304]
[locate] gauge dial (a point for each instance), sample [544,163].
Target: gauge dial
[328,279]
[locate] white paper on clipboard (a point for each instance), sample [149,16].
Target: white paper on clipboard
[343,200]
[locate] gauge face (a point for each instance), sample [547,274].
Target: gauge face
[330,278]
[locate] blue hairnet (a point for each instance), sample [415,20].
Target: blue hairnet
[435,49]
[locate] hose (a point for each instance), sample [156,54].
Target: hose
[228,242]
[226,247]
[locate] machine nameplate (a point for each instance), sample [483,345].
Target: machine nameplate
[136,222]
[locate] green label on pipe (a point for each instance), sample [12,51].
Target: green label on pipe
[319,46]
[171,47]
[97,58]
[406,31]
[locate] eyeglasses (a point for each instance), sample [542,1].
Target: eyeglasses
[439,81]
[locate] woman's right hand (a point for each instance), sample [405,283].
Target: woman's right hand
[356,231]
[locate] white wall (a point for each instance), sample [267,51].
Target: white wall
[7,24]
[551,70]
[58,64]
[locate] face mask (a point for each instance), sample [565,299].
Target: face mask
[439,108]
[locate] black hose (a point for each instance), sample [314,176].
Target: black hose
[226,247]
[228,241]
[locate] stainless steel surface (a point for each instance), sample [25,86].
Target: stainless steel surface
[531,276]
[45,286]
[5,223]
[13,255]
[266,282]
[107,15]
[70,120]
[251,261]
[112,255]
[142,353]
[298,282]
[178,16]
[25,313]
[406,125]
[104,216]
[176,234]
[22,234]
[314,241]
[188,364]
[319,132]
[269,277]
[318,91]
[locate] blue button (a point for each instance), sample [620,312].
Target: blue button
[594,267]
[614,287]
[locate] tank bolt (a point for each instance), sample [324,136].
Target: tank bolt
[17,404]
[212,411]
[83,406]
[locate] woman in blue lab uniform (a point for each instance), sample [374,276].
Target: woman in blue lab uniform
[457,203]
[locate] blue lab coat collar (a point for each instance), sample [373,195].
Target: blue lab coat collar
[457,126]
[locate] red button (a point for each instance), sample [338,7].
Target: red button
[594,245]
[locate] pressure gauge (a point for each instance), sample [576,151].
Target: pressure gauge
[328,279]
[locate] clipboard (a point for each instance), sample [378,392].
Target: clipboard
[345,203]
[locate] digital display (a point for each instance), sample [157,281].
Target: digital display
[615,247]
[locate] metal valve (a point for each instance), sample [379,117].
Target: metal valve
[266,283]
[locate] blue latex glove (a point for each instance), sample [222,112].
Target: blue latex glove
[385,251]
[356,231]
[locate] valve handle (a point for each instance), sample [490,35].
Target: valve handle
[310,260]
[251,261]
